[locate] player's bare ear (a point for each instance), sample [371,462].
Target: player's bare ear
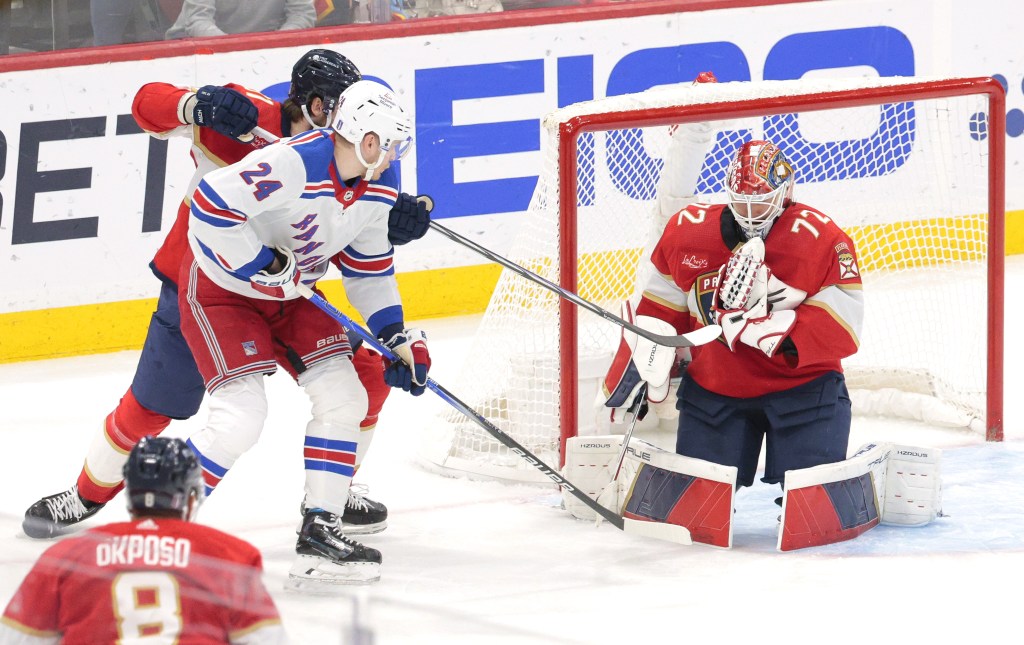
[316,107]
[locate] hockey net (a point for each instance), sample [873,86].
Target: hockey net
[911,168]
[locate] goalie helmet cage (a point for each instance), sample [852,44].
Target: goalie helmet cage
[912,168]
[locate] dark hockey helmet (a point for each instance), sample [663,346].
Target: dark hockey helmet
[160,475]
[323,73]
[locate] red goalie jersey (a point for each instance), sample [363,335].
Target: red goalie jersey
[157,110]
[814,264]
[164,578]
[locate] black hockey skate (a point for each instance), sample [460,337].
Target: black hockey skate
[326,556]
[55,514]
[363,516]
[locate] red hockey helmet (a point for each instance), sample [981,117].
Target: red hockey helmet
[760,186]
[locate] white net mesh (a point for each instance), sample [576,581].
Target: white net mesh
[906,179]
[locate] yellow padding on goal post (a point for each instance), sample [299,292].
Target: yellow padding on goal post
[117,326]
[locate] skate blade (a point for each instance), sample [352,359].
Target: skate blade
[321,587]
[363,529]
[319,575]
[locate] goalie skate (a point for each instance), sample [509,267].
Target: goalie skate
[55,514]
[326,557]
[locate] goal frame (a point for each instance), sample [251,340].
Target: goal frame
[570,130]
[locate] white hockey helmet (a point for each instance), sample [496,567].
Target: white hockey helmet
[759,183]
[368,106]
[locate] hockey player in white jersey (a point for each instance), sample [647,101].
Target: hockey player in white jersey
[260,226]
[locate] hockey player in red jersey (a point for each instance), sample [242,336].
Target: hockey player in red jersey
[167,384]
[258,229]
[782,280]
[156,577]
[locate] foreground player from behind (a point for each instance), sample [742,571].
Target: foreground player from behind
[157,577]
[782,280]
[258,228]
[167,384]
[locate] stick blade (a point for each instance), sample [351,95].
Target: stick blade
[657,530]
[702,336]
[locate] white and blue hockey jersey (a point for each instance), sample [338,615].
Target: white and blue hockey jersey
[289,195]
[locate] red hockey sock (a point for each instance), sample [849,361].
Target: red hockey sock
[100,478]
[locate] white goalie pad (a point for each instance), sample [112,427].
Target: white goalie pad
[881,483]
[913,486]
[590,463]
[655,488]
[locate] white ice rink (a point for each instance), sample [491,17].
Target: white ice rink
[472,562]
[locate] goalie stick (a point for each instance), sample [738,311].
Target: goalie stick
[634,409]
[649,529]
[701,336]
[638,404]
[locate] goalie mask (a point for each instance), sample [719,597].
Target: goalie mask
[759,183]
[367,107]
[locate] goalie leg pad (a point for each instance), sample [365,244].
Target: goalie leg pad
[833,502]
[681,491]
[913,487]
[828,513]
[589,464]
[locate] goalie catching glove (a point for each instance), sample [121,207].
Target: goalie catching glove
[638,361]
[409,373]
[279,284]
[223,109]
[742,298]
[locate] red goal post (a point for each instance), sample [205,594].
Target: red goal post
[912,168]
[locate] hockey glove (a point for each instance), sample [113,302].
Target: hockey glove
[409,218]
[743,281]
[279,285]
[223,109]
[410,372]
[637,362]
[765,333]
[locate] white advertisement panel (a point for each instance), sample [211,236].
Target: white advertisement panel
[87,197]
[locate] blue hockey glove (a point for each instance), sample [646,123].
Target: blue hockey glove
[225,110]
[409,373]
[409,218]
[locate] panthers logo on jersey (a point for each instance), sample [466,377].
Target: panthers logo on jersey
[704,289]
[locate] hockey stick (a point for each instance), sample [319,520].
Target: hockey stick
[256,134]
[634,410]
[638,404]
[701,336]
[663,531]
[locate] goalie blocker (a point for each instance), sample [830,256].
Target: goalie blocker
[881,483]
[654,487]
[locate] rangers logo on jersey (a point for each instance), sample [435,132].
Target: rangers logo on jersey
[249,347]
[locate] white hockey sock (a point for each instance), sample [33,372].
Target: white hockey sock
[237,412]
[332,448]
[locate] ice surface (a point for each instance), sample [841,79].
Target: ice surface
[483,562]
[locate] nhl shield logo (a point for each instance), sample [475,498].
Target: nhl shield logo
[347,197]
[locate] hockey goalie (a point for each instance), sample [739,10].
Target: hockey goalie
[782,280]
